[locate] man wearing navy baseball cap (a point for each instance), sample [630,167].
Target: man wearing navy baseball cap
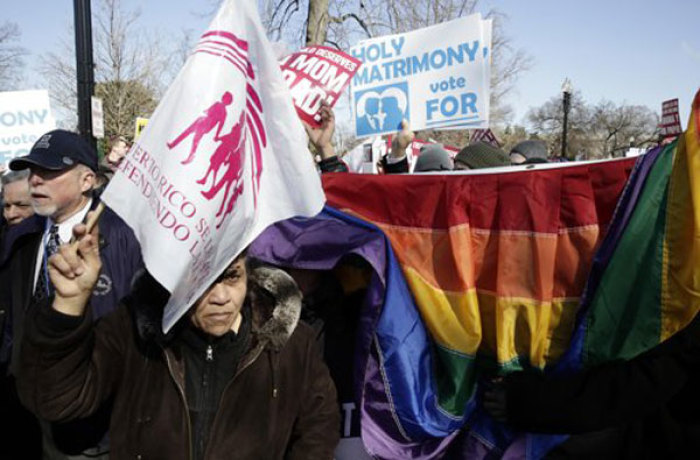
[62,167]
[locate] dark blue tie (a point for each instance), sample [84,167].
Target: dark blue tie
[43,286]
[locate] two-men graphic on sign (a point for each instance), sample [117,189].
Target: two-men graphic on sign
[381,109]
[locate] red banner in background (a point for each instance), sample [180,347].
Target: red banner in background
[316,73]
[485,135]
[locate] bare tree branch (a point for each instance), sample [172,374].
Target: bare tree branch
[347,16]
[11,62]
[595,131]
[132,69]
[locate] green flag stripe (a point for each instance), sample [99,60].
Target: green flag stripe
[625,315]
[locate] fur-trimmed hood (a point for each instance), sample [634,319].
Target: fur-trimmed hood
[273,295]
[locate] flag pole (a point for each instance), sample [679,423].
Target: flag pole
[91,220]
[94,216]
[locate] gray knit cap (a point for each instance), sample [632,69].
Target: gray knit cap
[433,158]
[532,150]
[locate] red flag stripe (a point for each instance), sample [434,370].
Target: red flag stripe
[229,57]
[232,51]
[222,33]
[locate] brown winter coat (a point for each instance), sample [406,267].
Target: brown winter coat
[280,404]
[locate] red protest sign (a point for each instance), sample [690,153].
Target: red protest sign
[670,119]
[314,74]
[485,135]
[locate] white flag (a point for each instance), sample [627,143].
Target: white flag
[223,156]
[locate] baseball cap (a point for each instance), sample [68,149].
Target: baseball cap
[57,150]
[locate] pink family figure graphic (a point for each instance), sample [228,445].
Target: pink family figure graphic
[229,153]
[214,117]
[230,144]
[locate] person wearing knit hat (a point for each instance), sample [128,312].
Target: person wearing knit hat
[433,158]
[480,155]
[528,152]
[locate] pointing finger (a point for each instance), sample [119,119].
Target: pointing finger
[88,247]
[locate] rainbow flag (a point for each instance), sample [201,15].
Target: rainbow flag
[557,268]
[471,274]
[645,280]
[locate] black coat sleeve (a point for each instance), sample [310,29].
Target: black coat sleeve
[399,167]
[315,433]
[70,366]
[333,164]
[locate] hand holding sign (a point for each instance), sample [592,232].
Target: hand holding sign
[322,136]
[317,74]
[402,140]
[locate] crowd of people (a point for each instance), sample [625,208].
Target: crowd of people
[82,347]
[433,157]
[243,374]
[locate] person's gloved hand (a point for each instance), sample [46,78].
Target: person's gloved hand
[495,400]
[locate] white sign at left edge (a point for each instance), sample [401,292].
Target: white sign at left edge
[98,120]
[24,117]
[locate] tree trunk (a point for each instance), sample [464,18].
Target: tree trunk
[317,23]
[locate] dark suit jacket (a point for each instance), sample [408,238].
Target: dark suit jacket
[121,259]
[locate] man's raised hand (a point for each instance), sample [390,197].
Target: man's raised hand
[74,270]
[402,140]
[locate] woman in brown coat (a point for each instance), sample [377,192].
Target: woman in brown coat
[238,377]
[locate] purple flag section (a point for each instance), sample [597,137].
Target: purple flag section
[319,243]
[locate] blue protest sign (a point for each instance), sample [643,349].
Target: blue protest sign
[436,77]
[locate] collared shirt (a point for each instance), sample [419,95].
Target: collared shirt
[65,231]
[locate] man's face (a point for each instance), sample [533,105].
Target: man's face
[16,202]
[59,194]
[116,154]
[459,166]
[217,311]
[517,158]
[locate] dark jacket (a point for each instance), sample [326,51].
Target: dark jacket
[400,167]
[333,164]
[280,403]
[121,259]
[647,407]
